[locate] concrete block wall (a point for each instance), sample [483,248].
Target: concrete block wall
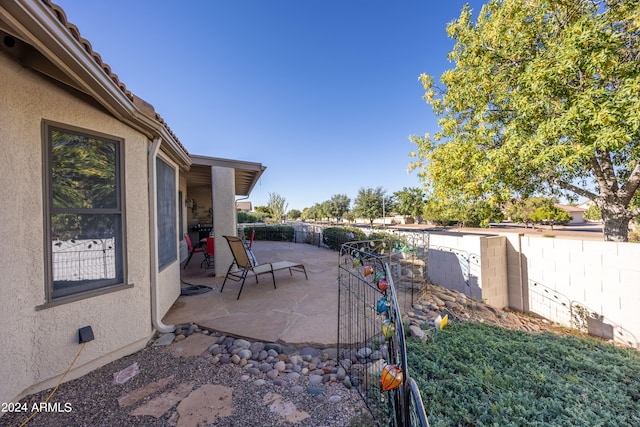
[603,277]
[493,263]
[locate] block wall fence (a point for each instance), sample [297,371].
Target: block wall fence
[565,280]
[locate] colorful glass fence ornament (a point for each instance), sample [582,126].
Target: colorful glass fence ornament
[356,262]
[382,305]
[391,377]
[368,270]
[379,276]
[388,328]
[383,284]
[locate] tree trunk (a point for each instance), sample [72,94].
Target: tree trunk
[616,225]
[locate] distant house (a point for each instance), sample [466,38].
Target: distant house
[575,212]
[95,191]
[244,206]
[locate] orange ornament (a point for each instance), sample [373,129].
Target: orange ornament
[368,270]
[391,377]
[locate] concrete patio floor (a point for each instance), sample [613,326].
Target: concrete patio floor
[299,312]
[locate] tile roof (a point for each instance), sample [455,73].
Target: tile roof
[142,105]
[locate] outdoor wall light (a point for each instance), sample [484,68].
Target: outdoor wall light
[189,203]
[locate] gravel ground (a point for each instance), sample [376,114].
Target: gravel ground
[93,398]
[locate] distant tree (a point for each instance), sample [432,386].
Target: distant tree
[264,209]
[338,205]
[371,203]
[542,99]
[550,215]
[409,201]
[440,212]
[294,214]
[349,216]
[277,205]
[480,214]
[592,213]
[520,211]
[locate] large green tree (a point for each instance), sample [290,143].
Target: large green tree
[338,205]
[409,201]
[543,98]
[371,203]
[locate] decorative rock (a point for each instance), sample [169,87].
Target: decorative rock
[364,352]
[235,359]
[273,346]
[262,355]
[259,382]
[280,366]
[311,351]
[253,371]
[296,389]
[273,373]
[244,377]
[335,399]
[241,343]
[315,379]
[417,332]
[266,367]
[316,390]
[376,355]
[225,358]
[180,337]
[272,353]
[341,374]
[294,376]
[347,382]
[256,347]
[279,383]
[165,339]
[244,354]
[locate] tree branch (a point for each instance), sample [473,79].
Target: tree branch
[574,188]
[609,173]
[630,187]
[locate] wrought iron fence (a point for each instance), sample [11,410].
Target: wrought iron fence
[371,345]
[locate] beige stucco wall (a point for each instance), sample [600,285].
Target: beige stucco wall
[38,345]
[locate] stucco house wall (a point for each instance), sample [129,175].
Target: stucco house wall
[40,343]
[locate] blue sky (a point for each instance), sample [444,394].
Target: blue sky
[324,93]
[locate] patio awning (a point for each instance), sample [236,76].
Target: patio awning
[246,173]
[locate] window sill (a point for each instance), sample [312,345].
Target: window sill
[84,295]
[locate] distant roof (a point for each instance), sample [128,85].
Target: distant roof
[569,208]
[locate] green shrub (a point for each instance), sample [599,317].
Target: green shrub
[334,237]
[279,233]
[250,217]
[483,375]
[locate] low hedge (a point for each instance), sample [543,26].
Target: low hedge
[334,237]
[277,233]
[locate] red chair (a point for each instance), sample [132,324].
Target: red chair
[192,249]
[208,254]
[250,244]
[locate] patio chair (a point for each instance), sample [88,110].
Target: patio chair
[208,254]
[200,249]
[242,266]
[248,246]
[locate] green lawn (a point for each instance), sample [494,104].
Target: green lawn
[475,374]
